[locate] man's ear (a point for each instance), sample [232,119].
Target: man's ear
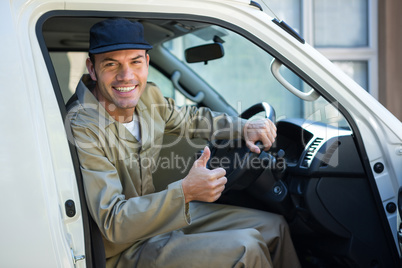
[91,69]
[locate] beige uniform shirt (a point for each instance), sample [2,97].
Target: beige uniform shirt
[116,168]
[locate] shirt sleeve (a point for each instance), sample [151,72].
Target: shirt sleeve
[200,122]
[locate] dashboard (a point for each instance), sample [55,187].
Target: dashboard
[314,148]
[322,163]
[323,192]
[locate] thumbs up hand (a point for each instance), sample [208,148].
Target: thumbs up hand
[202,184]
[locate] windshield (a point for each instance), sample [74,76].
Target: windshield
[243,77]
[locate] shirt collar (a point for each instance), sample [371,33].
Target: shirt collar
[88,101]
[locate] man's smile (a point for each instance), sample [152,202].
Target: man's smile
[124,89]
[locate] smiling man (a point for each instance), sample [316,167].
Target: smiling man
[118,119]
[123,76]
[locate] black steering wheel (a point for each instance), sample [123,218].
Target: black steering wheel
[260,107]
[242,166]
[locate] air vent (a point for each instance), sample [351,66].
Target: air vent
[311,151]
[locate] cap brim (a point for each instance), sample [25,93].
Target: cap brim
[110,48]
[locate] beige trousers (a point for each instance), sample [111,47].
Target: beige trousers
[219,236]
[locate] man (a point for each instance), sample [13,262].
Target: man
[118,120]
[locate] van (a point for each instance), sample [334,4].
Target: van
[338,155]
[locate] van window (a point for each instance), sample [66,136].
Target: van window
[243,77]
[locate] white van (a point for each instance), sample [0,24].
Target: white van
[340,150]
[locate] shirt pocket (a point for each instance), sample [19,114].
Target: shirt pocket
[129,171]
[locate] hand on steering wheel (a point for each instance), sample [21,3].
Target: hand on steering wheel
[242,159]
[263,130]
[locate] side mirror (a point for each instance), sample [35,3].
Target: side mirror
[204,53]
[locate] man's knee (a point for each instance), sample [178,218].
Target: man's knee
[254,251]
[252,242]
[251,236]
[274,221]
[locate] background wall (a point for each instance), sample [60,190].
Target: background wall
[390,55]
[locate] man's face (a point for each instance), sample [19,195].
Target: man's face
[121,78]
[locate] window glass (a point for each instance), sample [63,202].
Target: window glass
[166,86]
[243,76]
[357,70]
[340,23]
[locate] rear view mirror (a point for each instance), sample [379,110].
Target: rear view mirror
[204,53]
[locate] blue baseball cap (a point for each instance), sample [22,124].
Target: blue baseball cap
[117,34]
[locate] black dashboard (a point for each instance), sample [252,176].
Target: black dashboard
[324,193]
[317,149]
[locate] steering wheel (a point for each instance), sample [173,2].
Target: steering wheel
[242,166]
[260,107]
